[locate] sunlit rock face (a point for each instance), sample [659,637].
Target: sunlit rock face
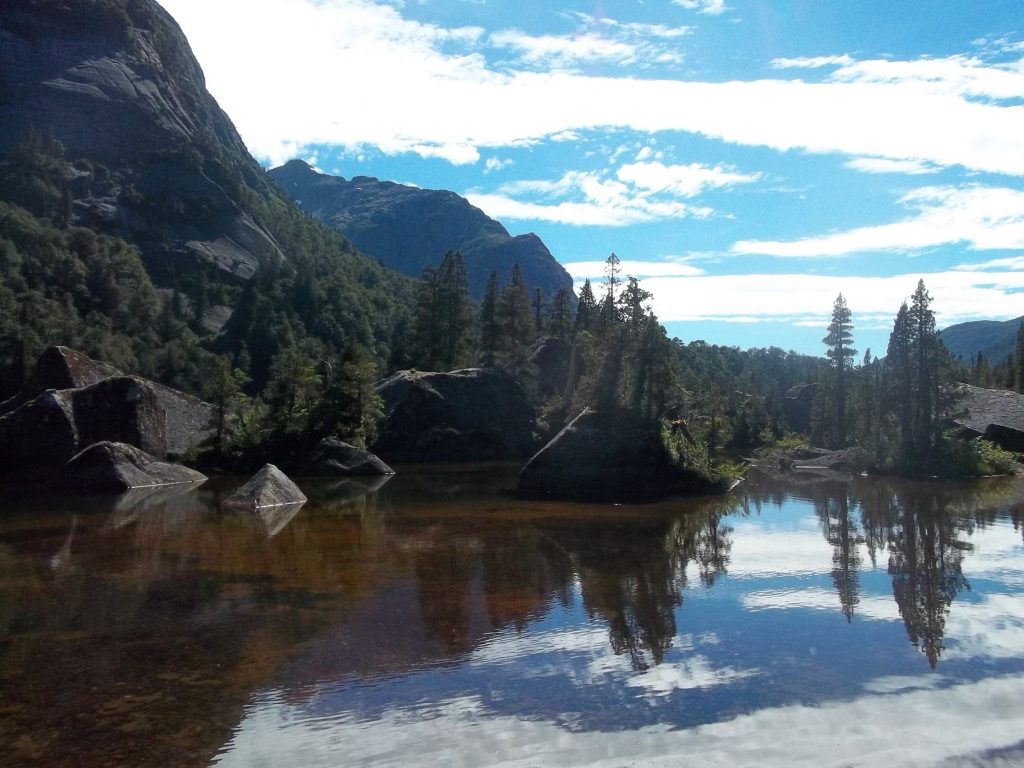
[995,414]
[474,414]
[117,85]
[408,228]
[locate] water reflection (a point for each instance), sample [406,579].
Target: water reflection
[171,627]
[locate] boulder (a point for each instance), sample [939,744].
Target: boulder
[186,419]
[44,433]
[125,409]
[797,406]
[333,458]
[994,414]
[60,368]
[270,487]
[611,457]
[550,357]
[118,467]
[474,414]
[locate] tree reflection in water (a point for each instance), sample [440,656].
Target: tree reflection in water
[921,526]
[632,573]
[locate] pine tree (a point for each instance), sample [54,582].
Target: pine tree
[586,309]
[514,321]
[609,310]
[840,352]
[489,321]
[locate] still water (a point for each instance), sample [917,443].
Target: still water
[435,620]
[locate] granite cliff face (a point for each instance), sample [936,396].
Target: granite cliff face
[407,228]
[115,82]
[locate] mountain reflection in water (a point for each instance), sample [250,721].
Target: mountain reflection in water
[434,618]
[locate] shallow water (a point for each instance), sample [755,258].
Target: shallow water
[433,619]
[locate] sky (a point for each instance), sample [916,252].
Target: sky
[747,160]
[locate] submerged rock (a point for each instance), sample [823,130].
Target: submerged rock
[333,458]
[474,414]
[270,487]
[116,467]
[607,457]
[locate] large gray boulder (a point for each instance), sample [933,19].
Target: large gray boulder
[333,458]
[118,467]
[60,368]
[270,487]
[44,433]
[474,414]
[798,405]
[186,419]
[607,457]
[994,414]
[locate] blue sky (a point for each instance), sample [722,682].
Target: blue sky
[747,160]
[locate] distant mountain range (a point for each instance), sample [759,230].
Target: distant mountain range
[994,339]
[408,228]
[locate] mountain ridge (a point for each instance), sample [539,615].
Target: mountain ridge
[993,339]
[409,228]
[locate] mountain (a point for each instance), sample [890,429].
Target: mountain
[408,228]
[994,339]
[121,176]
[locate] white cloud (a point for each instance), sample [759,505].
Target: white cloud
[279,97]
[713,7]
[811,62]
[583,199]
[562,51]
[581,270]
[983,217]
[496,164]
[957,296]
[682,180]
[887,165]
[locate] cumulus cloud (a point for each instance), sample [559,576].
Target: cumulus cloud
[982,217]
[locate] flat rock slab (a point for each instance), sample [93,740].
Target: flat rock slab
[270,487]
[118,467]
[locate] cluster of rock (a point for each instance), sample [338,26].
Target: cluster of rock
[80,421]
[84,425]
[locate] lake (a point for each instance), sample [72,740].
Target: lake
[433,619]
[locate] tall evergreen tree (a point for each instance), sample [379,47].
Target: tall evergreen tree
[586,309]
[609,308]
[489,321]
[840,352]
[514,320]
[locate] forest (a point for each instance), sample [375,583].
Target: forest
[307,339]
